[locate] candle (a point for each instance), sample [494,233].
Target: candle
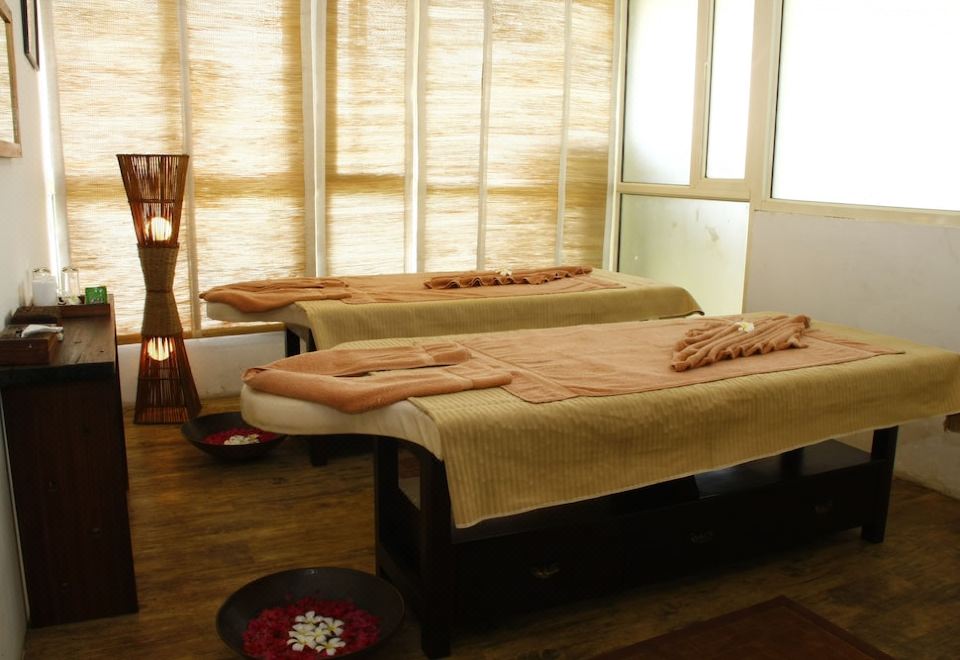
[159,229]
[159,348]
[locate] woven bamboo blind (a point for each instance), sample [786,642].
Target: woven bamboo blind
[237,111]
[453,113]
[591,71]
[366,53]
[482,141]
[492,164]
[247,127]
[115,99]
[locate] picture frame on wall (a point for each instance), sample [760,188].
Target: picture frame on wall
[31,39]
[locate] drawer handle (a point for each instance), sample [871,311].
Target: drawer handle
[545,572]
[824,507]
[702,538]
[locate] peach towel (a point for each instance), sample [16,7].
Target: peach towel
[554,364]
[265,295]
[495,278]
[725,339]
[538,366]
[361,379]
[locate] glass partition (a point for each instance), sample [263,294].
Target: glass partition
[700,245]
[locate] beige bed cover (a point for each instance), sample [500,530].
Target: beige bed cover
[333,322]
[504,455]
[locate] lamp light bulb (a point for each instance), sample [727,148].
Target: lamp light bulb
[159,229]
[159,348]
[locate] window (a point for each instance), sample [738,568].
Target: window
[867,106]
[661,68]
[732,50]
[687,94]
[683,194]
[448,134]
[824,107]
[466,133]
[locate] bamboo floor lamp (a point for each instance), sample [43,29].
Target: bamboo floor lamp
[155,184]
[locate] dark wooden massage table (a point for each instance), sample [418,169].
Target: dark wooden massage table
[529,561]
[745,465]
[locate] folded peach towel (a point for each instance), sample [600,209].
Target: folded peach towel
[496,277]
[724,339]
[361,379]
[265,295]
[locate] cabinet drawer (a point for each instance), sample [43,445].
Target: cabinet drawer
[91,578]
[829,503]
[536,569]
[675,540]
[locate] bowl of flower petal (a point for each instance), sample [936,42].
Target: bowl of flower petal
[311,613]
[228,437]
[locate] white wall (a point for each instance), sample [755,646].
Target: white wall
[894,278]
[23,246]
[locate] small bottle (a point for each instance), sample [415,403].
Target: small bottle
[44,287]
[70,285]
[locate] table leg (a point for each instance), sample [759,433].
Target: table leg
[884,451]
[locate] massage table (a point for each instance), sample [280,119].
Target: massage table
[487,504]
[327,323]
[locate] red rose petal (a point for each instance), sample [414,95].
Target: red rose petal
[220,437]
[266,634]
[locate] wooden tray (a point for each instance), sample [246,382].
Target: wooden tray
[31,350]
[55,313]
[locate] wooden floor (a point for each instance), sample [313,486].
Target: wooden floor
[202,529]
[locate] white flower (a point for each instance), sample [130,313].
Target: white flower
[506,272]
[744,326]
[331,645]
[242,439]
[309,617]
[300,641]
[320,633]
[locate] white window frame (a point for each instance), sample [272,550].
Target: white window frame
[756,188]
[768,22]
[699,187]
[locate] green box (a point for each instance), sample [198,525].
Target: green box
[95,294]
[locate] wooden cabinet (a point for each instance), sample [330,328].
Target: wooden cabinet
[63,424]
